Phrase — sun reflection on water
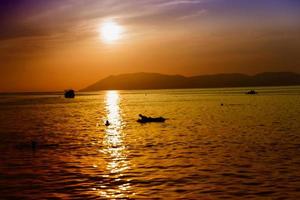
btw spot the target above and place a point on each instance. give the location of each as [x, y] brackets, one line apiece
[114, 147]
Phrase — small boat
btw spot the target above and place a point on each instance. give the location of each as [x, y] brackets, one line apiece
[143, 119]
[69, 94]
[251, 92]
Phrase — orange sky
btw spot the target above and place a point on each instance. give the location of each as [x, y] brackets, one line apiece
[57, 45]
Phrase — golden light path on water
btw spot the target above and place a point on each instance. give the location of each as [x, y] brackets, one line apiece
[114, 146]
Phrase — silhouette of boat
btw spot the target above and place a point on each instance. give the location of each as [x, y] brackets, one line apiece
[70, 94]
[144, 119]
[251, 92]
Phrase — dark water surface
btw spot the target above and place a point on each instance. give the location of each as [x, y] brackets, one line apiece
[246, 149]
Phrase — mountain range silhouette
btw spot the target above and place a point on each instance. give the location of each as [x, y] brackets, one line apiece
[137, 81]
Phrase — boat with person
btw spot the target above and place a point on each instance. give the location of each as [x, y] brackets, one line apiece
[145, 119]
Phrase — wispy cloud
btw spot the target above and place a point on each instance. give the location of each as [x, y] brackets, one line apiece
[194, 15]
[178, 2]
[35, 18]
[42, 18]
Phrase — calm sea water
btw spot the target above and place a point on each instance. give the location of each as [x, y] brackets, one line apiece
[246, 149]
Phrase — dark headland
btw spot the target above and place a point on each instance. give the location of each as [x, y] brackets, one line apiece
[137, 81]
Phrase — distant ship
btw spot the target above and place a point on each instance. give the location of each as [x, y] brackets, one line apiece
[251, 92]
[69, 94]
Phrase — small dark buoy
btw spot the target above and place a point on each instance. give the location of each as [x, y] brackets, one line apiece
[222, 104]
[107, 123]
[33, 145]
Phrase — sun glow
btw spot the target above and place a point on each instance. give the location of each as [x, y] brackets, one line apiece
[114, 147]
[110, 31]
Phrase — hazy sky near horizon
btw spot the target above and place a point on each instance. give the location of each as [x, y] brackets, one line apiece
[53, 45]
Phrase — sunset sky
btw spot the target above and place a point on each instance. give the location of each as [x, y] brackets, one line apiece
[59, 44]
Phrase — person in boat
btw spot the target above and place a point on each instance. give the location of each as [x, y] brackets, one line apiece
[143, 117]
[107, 123]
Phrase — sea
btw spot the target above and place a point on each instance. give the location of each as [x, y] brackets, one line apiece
[215, 144]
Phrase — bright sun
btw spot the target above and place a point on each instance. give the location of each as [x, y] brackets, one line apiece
[110, 31]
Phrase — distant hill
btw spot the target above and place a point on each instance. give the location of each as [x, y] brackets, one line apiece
[160, 81]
